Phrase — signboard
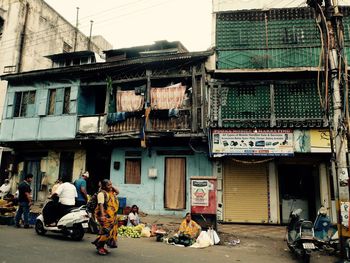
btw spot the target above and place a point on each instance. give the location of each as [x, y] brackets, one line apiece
[252, 142]
[200, 192]
[320, 141]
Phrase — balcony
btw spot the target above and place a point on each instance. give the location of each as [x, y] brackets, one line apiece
[91, 124]
[180, 121]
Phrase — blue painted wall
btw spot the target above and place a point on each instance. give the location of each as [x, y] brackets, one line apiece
[149, 194]
[40, 126]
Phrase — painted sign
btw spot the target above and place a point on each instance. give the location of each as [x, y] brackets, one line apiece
[320, 141]
[252, 142]
[200, 192]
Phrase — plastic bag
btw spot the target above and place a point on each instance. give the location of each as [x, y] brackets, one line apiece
[203, 241]
[146, 232]
[216, 238]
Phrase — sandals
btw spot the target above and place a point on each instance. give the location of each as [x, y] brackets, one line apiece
[101, 251]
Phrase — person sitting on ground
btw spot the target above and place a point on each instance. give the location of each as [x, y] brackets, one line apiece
[189, 227]
[133, 217]
[5, 188]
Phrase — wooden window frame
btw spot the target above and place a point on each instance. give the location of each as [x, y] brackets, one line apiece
[127, 178]
[20, 105]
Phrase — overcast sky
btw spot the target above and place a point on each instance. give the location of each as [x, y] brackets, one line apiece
[126, 23]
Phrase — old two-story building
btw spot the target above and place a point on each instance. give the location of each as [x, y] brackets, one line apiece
[29, 31]
[269, 134]
[139, 119]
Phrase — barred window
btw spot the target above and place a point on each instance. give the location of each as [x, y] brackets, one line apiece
[24, 104]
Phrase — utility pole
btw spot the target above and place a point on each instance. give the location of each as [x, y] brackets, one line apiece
[89, 43]
[330, 21]
[76, 30]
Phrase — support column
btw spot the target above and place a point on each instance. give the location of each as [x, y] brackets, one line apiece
[274, 194]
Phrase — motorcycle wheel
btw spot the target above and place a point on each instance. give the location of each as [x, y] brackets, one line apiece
[39, 228]
[78, 233]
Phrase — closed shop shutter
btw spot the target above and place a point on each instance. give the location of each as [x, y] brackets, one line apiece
[245, 193]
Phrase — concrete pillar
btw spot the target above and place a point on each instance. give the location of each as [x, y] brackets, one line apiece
[325, 189]
[274, 194]
[217, 171]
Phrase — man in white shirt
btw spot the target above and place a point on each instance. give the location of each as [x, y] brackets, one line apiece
[67, 194]
[5, 188]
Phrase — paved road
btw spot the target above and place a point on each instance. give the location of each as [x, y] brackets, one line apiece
[24, 245]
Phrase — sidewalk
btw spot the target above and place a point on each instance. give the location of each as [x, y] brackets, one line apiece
[172, 223]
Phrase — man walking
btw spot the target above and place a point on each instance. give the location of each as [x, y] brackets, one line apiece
[24, 201]
[80, 185]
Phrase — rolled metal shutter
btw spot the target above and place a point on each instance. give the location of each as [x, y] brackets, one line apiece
[245, 193]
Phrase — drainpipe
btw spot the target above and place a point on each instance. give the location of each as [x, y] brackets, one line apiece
[21, 43]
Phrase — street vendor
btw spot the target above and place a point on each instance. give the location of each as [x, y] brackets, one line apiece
[189, 227]
[5, 188]
[133, 217]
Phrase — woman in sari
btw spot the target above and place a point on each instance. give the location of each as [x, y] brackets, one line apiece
[106, 215]
[189, 227]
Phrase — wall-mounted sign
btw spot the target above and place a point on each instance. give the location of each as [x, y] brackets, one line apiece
[200, 192]
[320, 141]
[252, 142]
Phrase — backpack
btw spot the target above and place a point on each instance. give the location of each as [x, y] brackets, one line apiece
[92, 204]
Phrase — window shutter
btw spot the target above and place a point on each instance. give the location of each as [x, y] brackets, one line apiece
[10, 102]
[73, 99]
[42, 102]
[59, 101]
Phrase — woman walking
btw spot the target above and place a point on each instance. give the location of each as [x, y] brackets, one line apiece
[106, 215]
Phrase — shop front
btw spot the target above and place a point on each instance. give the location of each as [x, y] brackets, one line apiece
[264, 174]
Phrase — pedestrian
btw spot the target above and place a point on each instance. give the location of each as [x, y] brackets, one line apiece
[24, 201]
[80, 185]
[106, 215]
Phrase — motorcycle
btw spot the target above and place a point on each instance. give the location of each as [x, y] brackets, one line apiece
[300, 236]
[326, 234]
[73, 224]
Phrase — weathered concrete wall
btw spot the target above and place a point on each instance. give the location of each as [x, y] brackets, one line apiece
[149, 195]
[46, 33]
[79, 164]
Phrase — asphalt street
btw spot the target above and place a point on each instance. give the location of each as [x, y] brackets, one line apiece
[24, 245]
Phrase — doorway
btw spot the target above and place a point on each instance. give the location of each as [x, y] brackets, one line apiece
[299, 188]
[98, 163]
[175, 183]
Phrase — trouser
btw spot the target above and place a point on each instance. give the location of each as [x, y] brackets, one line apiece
[63, 210]
[50, 212]
[23, 208]
[79, 203]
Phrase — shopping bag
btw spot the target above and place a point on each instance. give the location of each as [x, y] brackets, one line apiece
[216, 237]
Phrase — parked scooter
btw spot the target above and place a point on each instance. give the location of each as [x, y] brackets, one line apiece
[326, 234]
[300, 236]
[73, 224]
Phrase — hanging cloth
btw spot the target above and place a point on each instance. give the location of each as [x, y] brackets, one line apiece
[168, 97]
[127, 101]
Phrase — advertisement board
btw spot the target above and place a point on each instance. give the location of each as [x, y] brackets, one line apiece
[252, 142]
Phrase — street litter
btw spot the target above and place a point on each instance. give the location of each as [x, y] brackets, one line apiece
[234, 242]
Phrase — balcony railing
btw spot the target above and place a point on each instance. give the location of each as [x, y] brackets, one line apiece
[131, 124]
[181, 122]
[91, 124]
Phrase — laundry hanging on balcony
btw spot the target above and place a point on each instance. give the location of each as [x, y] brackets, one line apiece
[127, 101]
[170, 97]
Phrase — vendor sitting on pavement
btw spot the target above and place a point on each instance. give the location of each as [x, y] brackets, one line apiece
[133, 217]
[5, 188]
[189, 227]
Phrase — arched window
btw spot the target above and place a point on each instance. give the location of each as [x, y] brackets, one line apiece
[2, 22]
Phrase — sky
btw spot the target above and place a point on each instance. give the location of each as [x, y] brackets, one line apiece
[127, 23]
